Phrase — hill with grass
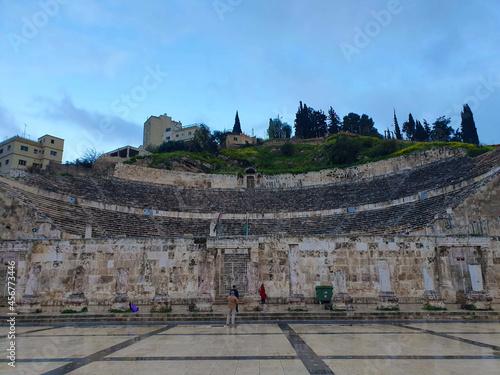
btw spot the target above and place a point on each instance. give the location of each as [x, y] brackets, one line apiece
[295, 156]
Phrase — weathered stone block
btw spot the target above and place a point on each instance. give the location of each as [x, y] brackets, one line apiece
[387, 300]
[204, 303]
[29, 304]
[342, 302]
[433, 299]
[297, 302]
[161, 303]
[478, 301]
[75, 302]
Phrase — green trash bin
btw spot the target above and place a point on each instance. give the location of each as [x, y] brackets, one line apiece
[324, 293]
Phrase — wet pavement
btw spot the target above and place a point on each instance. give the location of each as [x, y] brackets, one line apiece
[257, 348]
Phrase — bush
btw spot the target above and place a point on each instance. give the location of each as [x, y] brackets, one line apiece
[384, 148]
[345, 150]
[287, 150]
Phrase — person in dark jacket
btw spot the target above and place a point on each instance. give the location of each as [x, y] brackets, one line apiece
[236, 294]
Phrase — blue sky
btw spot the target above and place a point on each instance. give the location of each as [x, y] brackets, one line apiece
[92, 72]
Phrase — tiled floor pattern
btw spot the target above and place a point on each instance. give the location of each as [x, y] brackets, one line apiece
[258, 348]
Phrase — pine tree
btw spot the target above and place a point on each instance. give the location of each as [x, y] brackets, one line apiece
[237, 125]
[351, 123]
[420, 134]
[299, 122]
[442, 130]
[427, 129]
[409, 128]
[397, 131]
[469, 131]
[319, 127]
[333, 121]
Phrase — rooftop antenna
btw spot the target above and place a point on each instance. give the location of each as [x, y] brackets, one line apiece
[24, 134]
[252, 133]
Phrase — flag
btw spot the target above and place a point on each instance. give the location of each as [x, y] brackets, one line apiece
[217, 223]
[246, 225]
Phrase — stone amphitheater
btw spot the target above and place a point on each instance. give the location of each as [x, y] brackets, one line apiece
[420, 228]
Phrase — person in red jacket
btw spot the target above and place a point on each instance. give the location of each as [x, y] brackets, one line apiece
[263, 295]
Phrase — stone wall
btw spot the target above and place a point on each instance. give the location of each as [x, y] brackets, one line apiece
[327, 176]
[136, 267]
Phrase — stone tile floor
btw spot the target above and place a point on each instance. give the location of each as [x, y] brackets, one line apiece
[257, 348]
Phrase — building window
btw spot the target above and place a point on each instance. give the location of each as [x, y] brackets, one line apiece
[35, 165]
[189, 133]
[0, 163]
[1, 150]
[7, 162]
[22, 162]
[168, 129]
[235, 138]
[177, 136]
[167, 138]
[8, 148]
[53, 153]
[35, 151]
[51, 141]
[24, 148]
[44, 140]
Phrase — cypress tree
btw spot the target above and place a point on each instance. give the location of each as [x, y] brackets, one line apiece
[397, 131]
[469, 131]
[237, 125]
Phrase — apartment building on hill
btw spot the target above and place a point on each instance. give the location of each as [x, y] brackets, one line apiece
[158, 129]
[22, 153]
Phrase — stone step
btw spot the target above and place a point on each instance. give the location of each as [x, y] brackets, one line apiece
[46, 318]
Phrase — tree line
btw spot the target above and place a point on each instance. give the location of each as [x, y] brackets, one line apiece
[311, 123]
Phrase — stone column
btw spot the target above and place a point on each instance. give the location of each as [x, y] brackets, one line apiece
[204, 300]
[76, 300]
[478, 299]
[120, 301]
[161, 300]
[341, 299]
[88, 231]
[31, 301]
[386, 298]
[296, 300]
[252, 298]
[431, 298]
[444, 272]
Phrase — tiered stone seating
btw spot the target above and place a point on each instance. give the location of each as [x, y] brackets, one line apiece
[73, 218]
[338, 195]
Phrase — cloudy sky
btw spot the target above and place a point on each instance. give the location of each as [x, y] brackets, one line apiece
[92, 72]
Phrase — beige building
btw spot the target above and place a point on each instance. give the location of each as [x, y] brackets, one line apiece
[158, 129]
[22, 153]
[237, 140]
[182, 134]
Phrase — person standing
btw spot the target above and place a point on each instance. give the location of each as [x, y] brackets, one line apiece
[232, 304]
[236, 294]
[263, 295]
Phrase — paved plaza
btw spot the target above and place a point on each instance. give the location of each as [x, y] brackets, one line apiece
[258, 348]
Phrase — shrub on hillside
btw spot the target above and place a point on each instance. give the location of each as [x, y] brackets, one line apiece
[344, 150]
[287, 149]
